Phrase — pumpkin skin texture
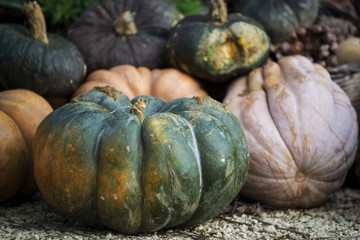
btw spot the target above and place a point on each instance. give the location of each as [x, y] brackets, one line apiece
[180, 166]
[13, 158]
[167, 84]
[301, 131]
[279, 18]
[55, 69]
[21, 112]
[31, 59]
[217, 51]
[139, 39]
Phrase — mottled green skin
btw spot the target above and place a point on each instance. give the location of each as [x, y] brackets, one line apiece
[51, 70]
[96, 162]
[217, 52]
[279, 17]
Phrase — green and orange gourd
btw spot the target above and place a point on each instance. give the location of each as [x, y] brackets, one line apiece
[140, 165]
[218, 46]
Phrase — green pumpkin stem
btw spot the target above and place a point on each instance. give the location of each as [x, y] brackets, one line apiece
[139, 108]
[125, 25]
[218, 11]
[36, 20]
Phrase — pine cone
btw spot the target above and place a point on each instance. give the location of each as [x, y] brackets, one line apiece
[319, 42]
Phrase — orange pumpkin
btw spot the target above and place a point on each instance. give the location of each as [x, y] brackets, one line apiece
[21, 112]
[167, 84]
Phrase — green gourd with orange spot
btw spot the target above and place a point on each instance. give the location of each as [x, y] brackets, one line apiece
[217, 47]
[140, 165]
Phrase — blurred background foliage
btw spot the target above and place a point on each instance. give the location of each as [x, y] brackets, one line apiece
[189, 7]
[60, 15]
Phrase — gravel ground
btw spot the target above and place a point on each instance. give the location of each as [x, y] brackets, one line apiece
[338, 218]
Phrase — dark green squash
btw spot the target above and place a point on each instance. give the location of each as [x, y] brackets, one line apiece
[217, 47]
[140, 165]
[118, 32]
[47, 64]
[279, 17]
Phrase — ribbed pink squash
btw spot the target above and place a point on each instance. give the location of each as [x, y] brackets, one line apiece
[301, 131]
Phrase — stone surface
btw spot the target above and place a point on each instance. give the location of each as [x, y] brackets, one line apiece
[338, 218]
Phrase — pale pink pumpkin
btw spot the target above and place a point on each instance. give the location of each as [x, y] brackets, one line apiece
[301, 131]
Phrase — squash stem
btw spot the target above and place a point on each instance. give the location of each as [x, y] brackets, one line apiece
[36, 20]
[255, 81]
[218, 11]
[139, 109]
[272, 74]
[125, 24]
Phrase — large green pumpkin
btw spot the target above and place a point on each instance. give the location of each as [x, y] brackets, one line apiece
[217, 47]
[47, 64]
[104, 161]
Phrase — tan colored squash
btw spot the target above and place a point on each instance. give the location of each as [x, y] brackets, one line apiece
[301, 131]
[21, 112]
[167, 84]
[349, 51]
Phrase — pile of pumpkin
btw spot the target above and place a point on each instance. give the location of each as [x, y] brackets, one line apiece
[136, 144]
